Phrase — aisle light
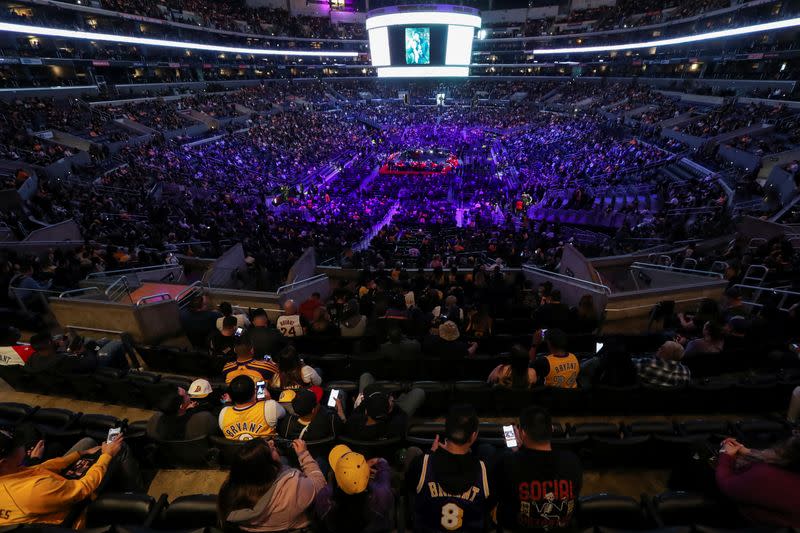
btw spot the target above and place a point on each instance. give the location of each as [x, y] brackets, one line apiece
[767, 26]
[92, 36]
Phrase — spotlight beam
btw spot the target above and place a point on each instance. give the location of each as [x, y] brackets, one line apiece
[106, 37]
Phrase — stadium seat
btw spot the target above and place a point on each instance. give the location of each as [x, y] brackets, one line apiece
[761, 433]
[189, 513]
[118, 509]
[614, 400]
[423, 435]
[97, 426]
[385, 448]
[686, 508]
[13, 413]
[479, 394]
[608, 510]
[437, 397]
[225, 449]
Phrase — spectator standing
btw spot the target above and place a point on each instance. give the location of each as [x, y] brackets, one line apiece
[552, 313]
[536, 487]
[222, 343]
[199, 322]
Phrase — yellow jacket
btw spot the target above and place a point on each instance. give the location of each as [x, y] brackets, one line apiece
[39, 494]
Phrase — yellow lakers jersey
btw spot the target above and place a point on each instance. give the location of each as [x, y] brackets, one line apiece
[254, 421]
[254, 369]
[563, 371]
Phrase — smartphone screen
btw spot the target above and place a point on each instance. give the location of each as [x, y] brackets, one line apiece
[113, 434]
[261, 390]
[239, 332]
[544, 332]
[332, 398]
[597, 347]
[511, 438]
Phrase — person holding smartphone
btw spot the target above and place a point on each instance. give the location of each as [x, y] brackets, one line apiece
[311, 421]
[449, 487]
[41, 494]
[249, 418]
[535, 486]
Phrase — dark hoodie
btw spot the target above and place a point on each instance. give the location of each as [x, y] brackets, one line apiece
[441, 485]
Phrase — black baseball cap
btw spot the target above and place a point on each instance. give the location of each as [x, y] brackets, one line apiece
[304, 402]
[461, 423]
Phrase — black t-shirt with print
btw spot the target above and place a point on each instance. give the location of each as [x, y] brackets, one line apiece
[537, 490]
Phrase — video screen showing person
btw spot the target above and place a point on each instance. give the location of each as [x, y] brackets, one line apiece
[418, 46]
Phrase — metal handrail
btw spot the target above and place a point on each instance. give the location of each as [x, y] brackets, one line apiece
[670, 268]
[114, 291]
[185, 295]
[305, 281]
[109, 273]
[758, 290]
[538, 270]
[76, 292]
[146, 299]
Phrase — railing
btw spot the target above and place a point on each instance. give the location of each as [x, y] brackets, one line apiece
[680, 270]
[301, 283]
[782, 303]
[186, 295]
[597, 286]
[160, 297]
[74, 293]
[123, 272]
[42, 294]
[116, 290]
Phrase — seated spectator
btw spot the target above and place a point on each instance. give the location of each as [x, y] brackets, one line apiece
[445, 343]
[450, 310]
[322, 325]
[201, 397]
[27, 287]
[516, 375]
[764, 483]
[199, 322]
[712, 341]
[614, 369]
[41, 494]
[248, 418]
[536, 487]
[290, 324]
[665, 369]
[359, 498]
[222, 343]
[177, 419]
[449, 487]
[480, 323]
[734, 305]
[262, 494]
[399, 347]
[227, 310]
[308, 420]
[352, 323]
[707, 311]
[583, 318]
[378, 415]
[308, 307]
[293, 373]
[552, 313]
[47, 357]
[246, 365]
[559, 368]
[264, 339]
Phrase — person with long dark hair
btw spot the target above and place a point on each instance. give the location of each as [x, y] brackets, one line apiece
[359, 497]
[293, 373]
[764, 483]
[262, 494]
[517, 374]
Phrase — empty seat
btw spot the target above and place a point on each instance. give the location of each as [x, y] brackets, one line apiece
[116, 509]
[385, 448]
[437, 397]
[53, 419]
[423, 435]
[479, 394]
[705, 427]
[608, 510]
[686, 508]
[12, 414]
[648, 427]
[97, 426]
[189, 512]
[596, 429]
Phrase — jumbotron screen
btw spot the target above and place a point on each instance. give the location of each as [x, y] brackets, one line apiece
[422, 41]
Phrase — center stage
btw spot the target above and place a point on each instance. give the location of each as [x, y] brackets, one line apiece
[419, 161]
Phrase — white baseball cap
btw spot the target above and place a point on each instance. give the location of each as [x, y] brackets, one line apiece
[200, 388]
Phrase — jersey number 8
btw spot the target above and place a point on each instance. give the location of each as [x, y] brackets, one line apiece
[452, 517]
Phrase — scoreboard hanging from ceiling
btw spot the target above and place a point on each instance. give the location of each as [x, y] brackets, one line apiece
[422, 41]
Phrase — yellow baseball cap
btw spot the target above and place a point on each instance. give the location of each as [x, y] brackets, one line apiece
[350, 469]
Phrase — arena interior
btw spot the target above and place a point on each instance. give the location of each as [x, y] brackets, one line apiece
[365, 265]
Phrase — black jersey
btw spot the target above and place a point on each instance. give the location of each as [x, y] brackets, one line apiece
[437, 510]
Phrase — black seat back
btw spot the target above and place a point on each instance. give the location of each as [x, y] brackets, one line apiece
[189, 512]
